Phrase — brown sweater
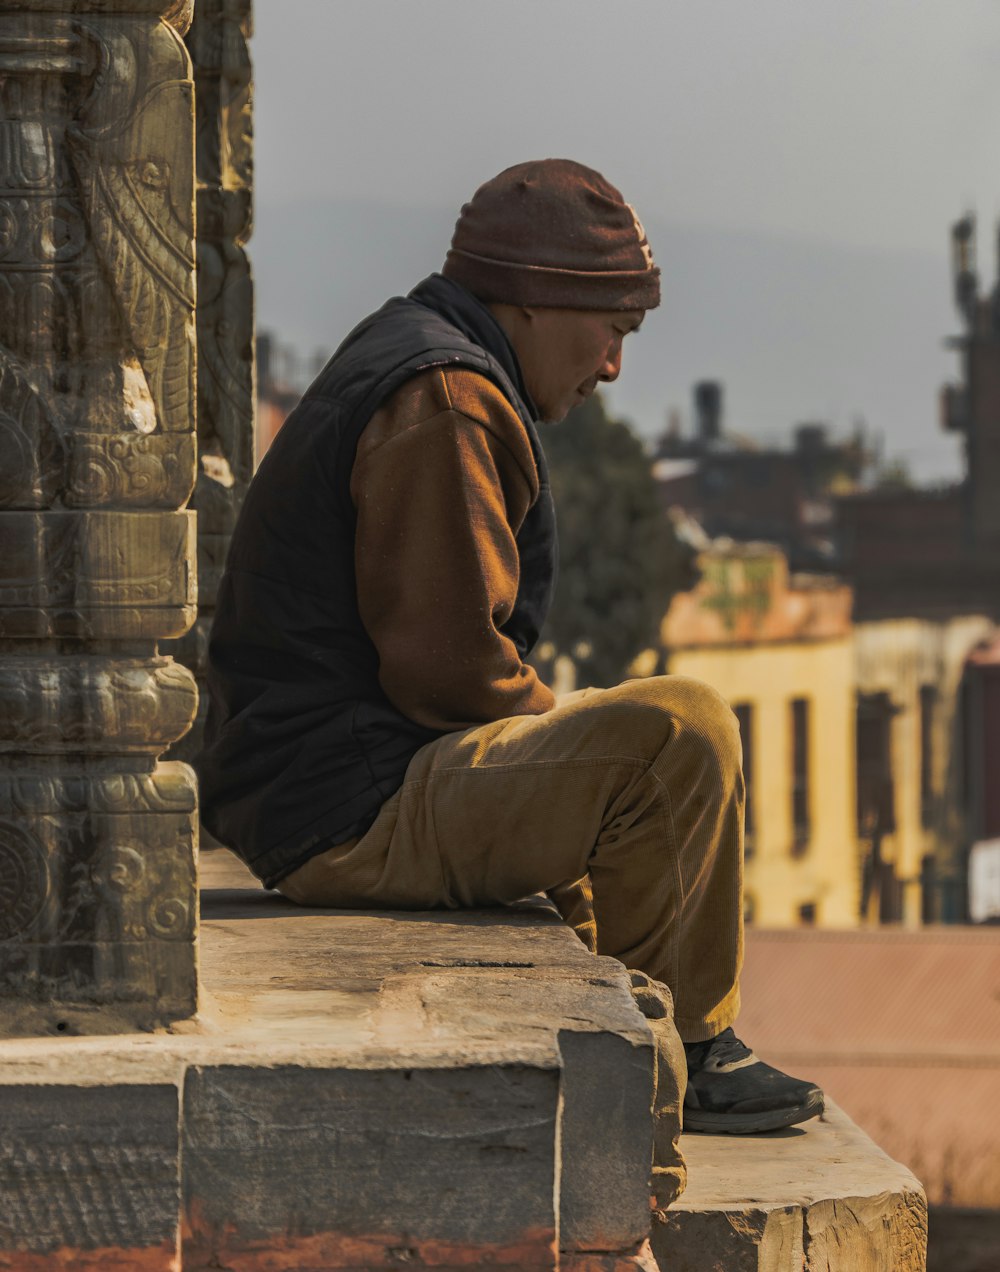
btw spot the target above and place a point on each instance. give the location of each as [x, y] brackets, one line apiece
[442, 480]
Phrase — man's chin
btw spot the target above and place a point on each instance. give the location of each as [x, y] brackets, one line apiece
[556, 414]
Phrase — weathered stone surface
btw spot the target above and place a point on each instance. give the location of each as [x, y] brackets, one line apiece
[97, 920]
[89, 1178]
[385, 1090]
[819, 1197]
[606, 1143]
[176, 12]
[887, 1230]
[52, 705]
[638, 1259]
[219, 45]
[97, 454]
[96, 575]
[656, 1003]
[469, 1013]
[314, 1163]
[478, 988]
[747, 1240]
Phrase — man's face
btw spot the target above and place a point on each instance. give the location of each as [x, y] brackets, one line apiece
[565, 353]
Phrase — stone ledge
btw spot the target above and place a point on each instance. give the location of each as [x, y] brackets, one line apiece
[359, 1090]
[818, 1198]
[366, 1091]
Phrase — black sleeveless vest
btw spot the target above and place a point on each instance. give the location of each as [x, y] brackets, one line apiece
[302, 747]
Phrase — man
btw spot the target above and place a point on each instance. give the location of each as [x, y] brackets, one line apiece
[375, 737]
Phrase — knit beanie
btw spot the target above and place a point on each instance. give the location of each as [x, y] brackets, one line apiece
[553, 233]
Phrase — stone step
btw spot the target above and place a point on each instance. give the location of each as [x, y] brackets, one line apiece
[821, 1197]
[358, 1091]
[377, 1091]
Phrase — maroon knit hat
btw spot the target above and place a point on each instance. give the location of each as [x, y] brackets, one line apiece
[553, 233]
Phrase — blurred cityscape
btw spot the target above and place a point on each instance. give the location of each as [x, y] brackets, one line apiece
[851, 619]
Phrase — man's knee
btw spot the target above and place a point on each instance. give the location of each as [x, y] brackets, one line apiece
[694, 708]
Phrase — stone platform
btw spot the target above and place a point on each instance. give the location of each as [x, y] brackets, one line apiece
[376, 1091]
[817, 1197]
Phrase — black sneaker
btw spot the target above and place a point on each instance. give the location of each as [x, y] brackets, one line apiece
[731, 1092]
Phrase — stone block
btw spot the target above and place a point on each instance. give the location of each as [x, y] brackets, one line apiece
[887, 1230]
[818, 1198]
[337, 1168]
[606, 1141]
[58, 705]
[89, 1178]
[750, 1239]
[98, 873]
[92, 575]
[477, 987]
[656, 1003]
[369, 1091]
[637, 1259]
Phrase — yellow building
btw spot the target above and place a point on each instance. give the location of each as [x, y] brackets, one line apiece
[780, 649]
[911, 764]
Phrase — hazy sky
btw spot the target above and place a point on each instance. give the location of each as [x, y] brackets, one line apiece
[858, 124]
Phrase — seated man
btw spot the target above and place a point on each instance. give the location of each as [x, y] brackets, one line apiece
[375, 737]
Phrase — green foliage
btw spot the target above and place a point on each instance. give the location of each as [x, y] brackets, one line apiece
[620, 559]
[895, 475]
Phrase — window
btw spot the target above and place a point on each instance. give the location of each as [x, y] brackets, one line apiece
[800, 775]
[876, 803]
[807, 914]
[928, 703]
[744, 714]
[876, 796]
[928, 889]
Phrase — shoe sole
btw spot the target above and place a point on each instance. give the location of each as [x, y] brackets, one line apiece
[705, 1122]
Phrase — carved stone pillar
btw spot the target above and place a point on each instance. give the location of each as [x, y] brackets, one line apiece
[97, 460]
[219, 51]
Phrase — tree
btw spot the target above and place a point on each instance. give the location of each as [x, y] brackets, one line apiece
[894, 475]
[620, 560]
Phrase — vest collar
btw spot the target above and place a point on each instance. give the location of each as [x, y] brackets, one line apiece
[472, 318]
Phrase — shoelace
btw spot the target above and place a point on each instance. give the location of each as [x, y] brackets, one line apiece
[725, 1048]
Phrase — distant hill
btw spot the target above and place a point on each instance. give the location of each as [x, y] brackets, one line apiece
[797, 330]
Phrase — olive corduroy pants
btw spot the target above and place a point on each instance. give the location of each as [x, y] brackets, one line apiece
[625, 805]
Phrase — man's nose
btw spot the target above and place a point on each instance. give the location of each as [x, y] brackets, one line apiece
[612, 365]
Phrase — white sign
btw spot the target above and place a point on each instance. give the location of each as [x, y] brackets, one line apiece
[984, 880]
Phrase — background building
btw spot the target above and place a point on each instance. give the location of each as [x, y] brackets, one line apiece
[918, 685]
[779, 648]
[925, 565]
[747, 492]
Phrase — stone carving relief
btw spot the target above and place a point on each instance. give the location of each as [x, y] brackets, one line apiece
[56, 704]
[225, 345]
[136, 185]
[90, 575]
[129, 471]
[169, 788]
[31, 450]
[24, 880]
[218, 41]
[97, 280]
[97, 460]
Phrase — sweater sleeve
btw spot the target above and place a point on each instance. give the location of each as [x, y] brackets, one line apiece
[442, 480]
